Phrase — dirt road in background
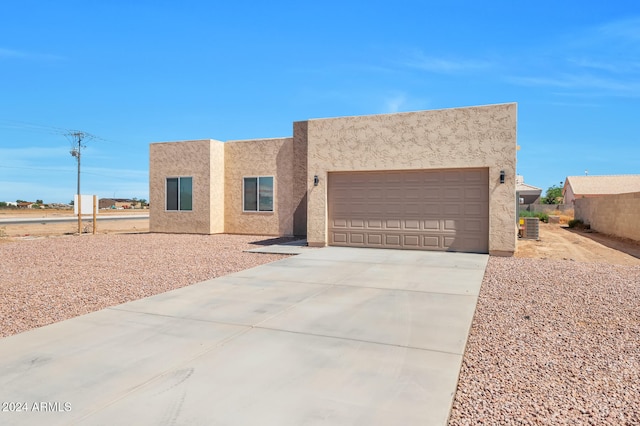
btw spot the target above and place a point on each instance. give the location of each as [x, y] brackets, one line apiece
[556, 241]
[561, 243]
[38, 229]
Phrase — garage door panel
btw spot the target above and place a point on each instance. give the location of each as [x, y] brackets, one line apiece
[452, 176]
[413, 193]
[392, 240]
[432, 209]
[448, 241]
[339, 223]
[339, 237]
[374, 239]
[373, 194]
[412, 224]
[393, 210]
[356, 238]
[452, 210]
[411, 241]
[475, 176]
[412, 209]
[431, 224]
[453, 194]
[430, 241]
[374, 224]
[475, 193]
[421, 210]
[357, 223]
[471, 225]
[450, 225]
[393, 178]
[429, 193]
[392, 224]
[475, 209]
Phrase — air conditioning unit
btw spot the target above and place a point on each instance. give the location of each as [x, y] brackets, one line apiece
[531, 228]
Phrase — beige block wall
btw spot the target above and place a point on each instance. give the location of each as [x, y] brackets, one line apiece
[612, 214]
[482, 136]
[203, 160]
[263, 157]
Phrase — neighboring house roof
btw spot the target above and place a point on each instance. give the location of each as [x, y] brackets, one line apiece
[522, 187]
[603, 185]
[526, 188]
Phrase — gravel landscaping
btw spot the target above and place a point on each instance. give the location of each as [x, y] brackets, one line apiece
[553, 342]
[48, 280]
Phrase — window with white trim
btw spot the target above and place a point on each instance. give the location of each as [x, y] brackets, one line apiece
[179, 194]
[258, 194]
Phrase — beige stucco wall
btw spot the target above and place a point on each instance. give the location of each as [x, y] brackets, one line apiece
[611, 214]
[203, 160]
[482, 136]
[300, 178]
[568, 197]
[263, 157]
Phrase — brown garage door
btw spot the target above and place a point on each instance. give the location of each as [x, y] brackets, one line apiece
[417, 209]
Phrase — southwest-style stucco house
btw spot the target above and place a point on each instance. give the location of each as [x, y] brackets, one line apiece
[427, 180]
[598, 186]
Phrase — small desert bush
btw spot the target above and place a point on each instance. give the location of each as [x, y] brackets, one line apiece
[577, 224]
[540, 215]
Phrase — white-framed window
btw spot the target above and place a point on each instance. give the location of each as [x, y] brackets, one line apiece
[257, 194]
[179, 193]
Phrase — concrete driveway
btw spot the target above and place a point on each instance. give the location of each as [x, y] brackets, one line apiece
[334, 336]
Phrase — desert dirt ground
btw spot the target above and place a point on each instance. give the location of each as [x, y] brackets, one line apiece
[30, 230]
[558, 242]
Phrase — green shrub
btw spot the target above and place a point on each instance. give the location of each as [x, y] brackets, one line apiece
[540, 215]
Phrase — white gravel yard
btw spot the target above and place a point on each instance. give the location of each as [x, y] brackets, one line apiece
[552, 343]
[51, 279]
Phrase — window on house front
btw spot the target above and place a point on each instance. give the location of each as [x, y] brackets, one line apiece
[179, 193]
[258, 194]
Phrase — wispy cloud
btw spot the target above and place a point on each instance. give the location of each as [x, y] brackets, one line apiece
[582, 82]
[443, 65]
[617, 67]
[23, 54]
[402, 102]
[601, 61]
[628, 29]
[395, 103]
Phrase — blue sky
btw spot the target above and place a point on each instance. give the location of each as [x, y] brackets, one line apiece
[136, 71]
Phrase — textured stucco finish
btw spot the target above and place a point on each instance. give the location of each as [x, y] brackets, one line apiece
[474, 137]
[611, 214]
[262, 157]
[203, 160]
[300, 178]
[453, 138]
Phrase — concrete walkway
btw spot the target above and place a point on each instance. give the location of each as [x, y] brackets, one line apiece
[334, 336]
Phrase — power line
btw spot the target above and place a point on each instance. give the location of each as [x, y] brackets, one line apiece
[24, 125]
[63, 171]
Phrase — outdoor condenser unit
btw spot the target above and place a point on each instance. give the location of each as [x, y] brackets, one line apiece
[531, 228]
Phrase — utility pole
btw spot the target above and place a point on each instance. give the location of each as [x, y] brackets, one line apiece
[77, 137]
[77, 153]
